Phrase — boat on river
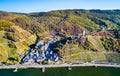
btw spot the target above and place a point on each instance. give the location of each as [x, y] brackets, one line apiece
[43, 69]
[15, 70]
[69, 68]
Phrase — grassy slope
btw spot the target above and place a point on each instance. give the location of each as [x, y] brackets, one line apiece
[95, 40]
[20, 46]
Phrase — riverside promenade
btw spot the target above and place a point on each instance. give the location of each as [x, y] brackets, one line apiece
[58, 65]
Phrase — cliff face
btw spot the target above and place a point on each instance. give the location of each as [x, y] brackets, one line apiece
[100, 27]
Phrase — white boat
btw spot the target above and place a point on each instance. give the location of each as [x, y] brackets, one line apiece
[43, 69]
[15, 70]
[69, 68]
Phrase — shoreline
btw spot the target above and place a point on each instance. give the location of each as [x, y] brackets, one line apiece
[23, 66]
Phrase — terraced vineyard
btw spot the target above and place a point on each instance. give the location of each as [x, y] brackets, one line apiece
[93, 56]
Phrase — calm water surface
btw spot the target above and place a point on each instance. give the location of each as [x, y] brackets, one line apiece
[76, 71]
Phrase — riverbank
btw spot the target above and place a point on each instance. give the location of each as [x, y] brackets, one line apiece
[58, 65]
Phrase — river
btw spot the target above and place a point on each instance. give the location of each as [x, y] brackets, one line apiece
[62, 71]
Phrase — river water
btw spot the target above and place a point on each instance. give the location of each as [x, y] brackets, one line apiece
[76, 71]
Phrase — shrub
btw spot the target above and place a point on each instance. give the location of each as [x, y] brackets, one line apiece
[5, 24]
